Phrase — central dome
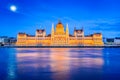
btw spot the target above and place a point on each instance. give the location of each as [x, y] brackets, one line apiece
[59, 28]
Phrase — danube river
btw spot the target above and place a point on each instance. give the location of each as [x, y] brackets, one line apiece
[60, 64]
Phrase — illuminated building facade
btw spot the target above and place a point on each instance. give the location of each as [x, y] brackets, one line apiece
[59, 37]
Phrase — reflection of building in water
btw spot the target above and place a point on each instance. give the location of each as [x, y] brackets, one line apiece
[58, 62]
[59, 37]
[65, 62]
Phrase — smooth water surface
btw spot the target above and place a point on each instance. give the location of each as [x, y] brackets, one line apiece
[60, 64]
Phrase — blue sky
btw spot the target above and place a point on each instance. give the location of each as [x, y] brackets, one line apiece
[94, 15]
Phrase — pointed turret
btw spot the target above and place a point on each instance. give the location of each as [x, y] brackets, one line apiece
[52, 31]
[67, 30]
[67, 34]
[52, 34]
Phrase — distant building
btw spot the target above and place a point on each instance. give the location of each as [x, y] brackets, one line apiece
[117, 40]
[113, 41]
[4, 40]
[59, 37]
[7, 40]
[1, 44]
[12, 41]
[104, 40]
[110, 41]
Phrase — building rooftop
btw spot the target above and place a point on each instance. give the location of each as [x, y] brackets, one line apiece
[97, 33]
[40, 30]
[21, 33]
[117, 38]
[89, 35]
[71, 35]
[49, 35]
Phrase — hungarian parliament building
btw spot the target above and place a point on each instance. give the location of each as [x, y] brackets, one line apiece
[59, 37]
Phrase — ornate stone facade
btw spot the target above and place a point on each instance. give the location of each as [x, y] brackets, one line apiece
[59, 37]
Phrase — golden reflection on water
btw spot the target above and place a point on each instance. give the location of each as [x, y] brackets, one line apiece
[60, 61]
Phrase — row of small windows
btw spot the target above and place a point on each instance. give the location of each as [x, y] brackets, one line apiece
[56, 39]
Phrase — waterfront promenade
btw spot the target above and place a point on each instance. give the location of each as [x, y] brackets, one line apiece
[105, 46]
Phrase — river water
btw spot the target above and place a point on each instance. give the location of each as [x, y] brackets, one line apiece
[59, 64]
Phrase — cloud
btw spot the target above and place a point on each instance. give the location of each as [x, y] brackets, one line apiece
[107, 25]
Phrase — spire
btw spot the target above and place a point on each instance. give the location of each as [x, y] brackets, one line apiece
[52, 31]
[67, 30]
[52, 27]
[52, 34]
[67, 34]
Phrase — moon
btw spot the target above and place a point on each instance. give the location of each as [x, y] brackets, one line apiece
[13, 8]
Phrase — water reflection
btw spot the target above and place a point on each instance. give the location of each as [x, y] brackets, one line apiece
[58, 64]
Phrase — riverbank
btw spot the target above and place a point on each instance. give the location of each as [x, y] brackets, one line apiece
[59, 46]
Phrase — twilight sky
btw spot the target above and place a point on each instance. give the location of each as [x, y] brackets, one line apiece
[94, 15]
